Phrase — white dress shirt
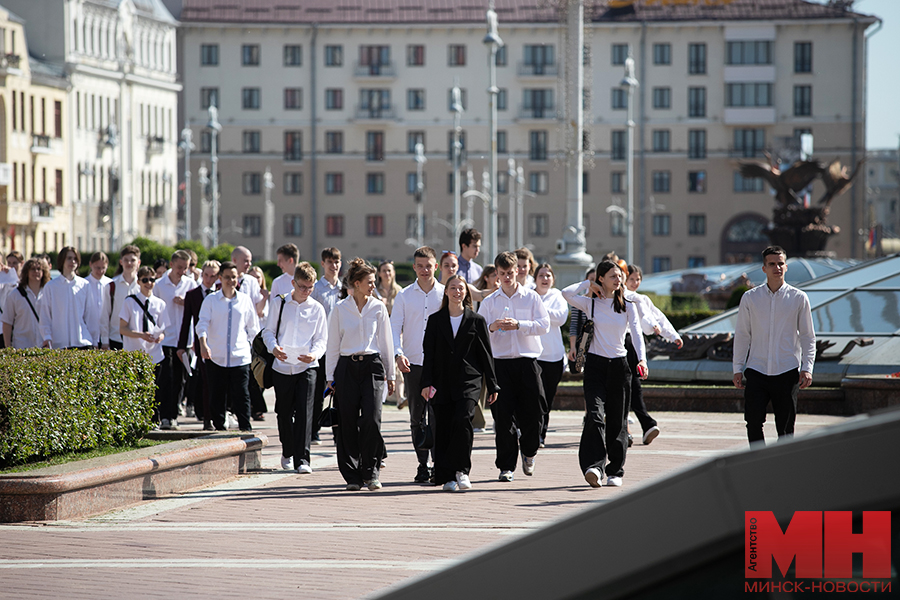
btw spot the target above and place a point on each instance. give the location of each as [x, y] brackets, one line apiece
[353, 332]
[122, 291]
[609, 326]
[229, 326]
[526, 307]
[304, 328]
[26, 331]
[282, 285]
[651, 317]
[326, 294]
[469, 270]
[167, 291]
[412, 307]
[133, 314]
[250, 286]
[8, 282]
[99, 321]
[774, 332]
[65, 311]
[552, 343]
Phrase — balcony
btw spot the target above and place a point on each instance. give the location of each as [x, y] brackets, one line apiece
[10, 62]
[40, 144]
[376, 71]
[747, 152]
[763, 115]
[538, 69]
[156, 212]
[155, 144]
[382, 113]
[15, 212]
[42, 212]
[538, 112]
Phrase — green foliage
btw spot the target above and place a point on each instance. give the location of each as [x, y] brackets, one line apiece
[405, 273]
[270, 270]
[221, 253]
[735, 298]
[197, 247]
[683, 318]
[58, 401]
[152, 250]
[686, 301]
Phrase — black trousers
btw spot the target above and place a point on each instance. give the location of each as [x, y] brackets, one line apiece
[318, 398]
[294, 407]
[519, 403]
[604, 438]
[231, 383]
[453, 435]
[257, 402]
[782, 391]
[198, 392]
[114, 345]
[551, 373]
[171, 382]
[157, 376]
[358, 390]
[417, 407]
[635, 393]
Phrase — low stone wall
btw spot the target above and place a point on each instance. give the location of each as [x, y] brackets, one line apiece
[97, 485]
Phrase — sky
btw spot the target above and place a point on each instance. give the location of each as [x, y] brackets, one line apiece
[883, 84]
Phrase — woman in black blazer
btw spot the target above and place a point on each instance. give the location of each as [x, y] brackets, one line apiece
[457, 359]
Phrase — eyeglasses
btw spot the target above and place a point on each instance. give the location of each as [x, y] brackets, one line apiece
[305, 288]
[148, 280]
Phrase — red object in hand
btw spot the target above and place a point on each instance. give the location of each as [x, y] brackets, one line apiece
[642, 371]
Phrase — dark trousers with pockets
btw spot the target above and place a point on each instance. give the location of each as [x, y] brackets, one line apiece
[417, 406]
[231, 383]
[171, 382]
[782, 391]
[604, 438]
[636, 393]
[453, 436]
[318, 398]
[551, 373]
[358, 390]
[519, 403]
[294, 408]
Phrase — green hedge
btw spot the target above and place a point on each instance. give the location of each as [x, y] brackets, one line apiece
[57, 401]
[683, 318]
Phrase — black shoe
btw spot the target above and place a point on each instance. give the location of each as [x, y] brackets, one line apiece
[259, 417]
[423, 474]
[630, 441]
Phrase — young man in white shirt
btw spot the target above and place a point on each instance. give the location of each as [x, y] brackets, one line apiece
[774, 348]
[516, 318]
[327, 293]
[65, 308]
[171, 288]
[288, 256]
[469, 249]
[248, 284]
[101, 303]
[123, 285]
[412, 307]
[226, 328]
[296, 334]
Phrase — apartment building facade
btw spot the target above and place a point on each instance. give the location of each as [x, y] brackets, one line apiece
[332, 100]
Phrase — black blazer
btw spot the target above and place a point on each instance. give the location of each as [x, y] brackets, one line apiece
[455, 366]
[192, 302]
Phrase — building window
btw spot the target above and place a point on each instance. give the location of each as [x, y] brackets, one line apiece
[500, 57]
[250, 143]
[334, 142]
[661, 140]
[662, 263]
[252, 184]
[456, 55]
[696, 224]
[413, 138]
[208, 97]
[697, 182]
[619, 99]
[617, 182]
[502, 99]
[374, 145]
[412, 182]
[619, 144]
[662, 98]
[250, 98]
[617, 224]
[334, 225]
[538, 104]
[619, 53]
[293, 225]
[209, 55]
[539, 225]
[749, 142]
[334, 56]
[463, 98]
[502, 225]
[662, 181]
[749, 53]
[293, 55]
[376, 58]
[502, 182]
[334, 99]
[334, 183]
[415, 55]
[697, 102]
[501, 142]
[537, 145]
[747, 184]
[414, 226]
[662, 54]
[538, 182]
[375, 225]
[748, 94]
[252, 225]
[415, 99]
[584, 182]
[539, 59]
[205, 142]
[250, 55]
[802, 57]
[374, 183]
[697, 143]
[375, 103]
[696, 262]
[293, 98]
[697, 59]
[802, 100]
[462, 141]
[293, 184]
[293, 145]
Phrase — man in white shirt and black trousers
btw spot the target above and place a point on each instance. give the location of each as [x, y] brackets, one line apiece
[516, 318]
[774, 348]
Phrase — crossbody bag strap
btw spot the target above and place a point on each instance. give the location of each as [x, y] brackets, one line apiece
[144, 307]
[280, 312]
[30, 305]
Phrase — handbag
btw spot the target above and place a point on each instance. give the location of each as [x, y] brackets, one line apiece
[262, 360]
[424, 439]
[329, 416]
[583, 342]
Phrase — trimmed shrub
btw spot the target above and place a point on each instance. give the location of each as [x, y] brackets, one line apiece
[735, 299]
[683, 318]
[58, 401]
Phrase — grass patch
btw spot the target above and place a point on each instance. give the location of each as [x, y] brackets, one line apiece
[69, 457]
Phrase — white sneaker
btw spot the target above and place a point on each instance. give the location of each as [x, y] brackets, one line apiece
[528, 465]
[506, 475]
[230, 421]
[304, 469]
[189, 411]
[614, 481]
[650, 435]
[287, 463]
[630, 421]
[169, 424]
[463, 481]
[594, 477]
[451, 486]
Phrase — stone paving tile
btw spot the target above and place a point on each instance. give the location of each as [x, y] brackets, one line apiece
[285, 535]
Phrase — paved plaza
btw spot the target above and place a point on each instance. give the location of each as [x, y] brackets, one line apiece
[277, 535]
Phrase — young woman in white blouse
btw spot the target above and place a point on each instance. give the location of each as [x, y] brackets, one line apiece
[359, 363]
[604, 439]
[21, 325]
[553, 358]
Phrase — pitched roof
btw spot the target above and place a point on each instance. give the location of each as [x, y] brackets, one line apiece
[733, 10]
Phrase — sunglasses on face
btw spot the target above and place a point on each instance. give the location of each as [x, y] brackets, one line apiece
[148, 280]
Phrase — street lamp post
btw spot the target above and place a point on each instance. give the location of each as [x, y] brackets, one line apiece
[203, 180]
[215, 127]
[270, 215]
[493, 41]
[521, 192]
[187, 145]
[420, 192]
[471, 193]
[510, 220]
[631, 82]
[112, 141]
[457, 109]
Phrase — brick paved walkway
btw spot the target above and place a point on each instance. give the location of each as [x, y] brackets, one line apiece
[279, 535]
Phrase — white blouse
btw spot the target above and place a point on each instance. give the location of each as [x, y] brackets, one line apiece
[65, 312]
[609, 326]
[353, 332]
[26, 329]
[552, 341]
